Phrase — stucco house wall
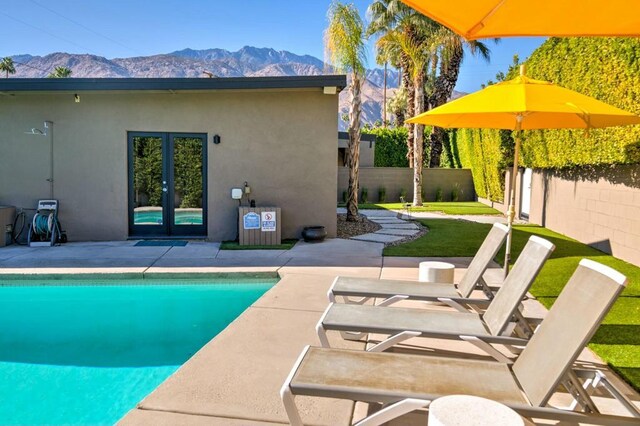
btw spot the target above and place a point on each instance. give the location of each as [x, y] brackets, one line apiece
[367, 149]
[281, 141]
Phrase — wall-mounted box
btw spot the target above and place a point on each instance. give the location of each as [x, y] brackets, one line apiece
[7, 216]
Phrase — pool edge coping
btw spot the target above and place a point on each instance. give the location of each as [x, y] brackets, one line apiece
[115, 275]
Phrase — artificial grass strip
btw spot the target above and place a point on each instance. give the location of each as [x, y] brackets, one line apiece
[234, 245]
[617, 341]
[446, 207]
[456, 238]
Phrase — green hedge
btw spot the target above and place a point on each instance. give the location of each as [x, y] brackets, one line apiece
[486, 153]
[607, 69]
[391, 146]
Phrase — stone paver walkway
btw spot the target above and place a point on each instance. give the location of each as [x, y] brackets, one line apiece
[394, 228]
[397, 225]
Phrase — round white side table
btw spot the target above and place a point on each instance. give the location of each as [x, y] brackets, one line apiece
[436, 272]
[465, 410]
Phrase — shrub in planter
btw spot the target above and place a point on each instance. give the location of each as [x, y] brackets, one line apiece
[382, 194]
[364, 196]
[439, 194]
[456, 192]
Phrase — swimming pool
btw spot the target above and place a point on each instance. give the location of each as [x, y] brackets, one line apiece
[86, 352]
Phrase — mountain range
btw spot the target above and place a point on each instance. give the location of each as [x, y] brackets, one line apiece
[246, 62]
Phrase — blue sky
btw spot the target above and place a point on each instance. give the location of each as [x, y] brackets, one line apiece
[122, 28]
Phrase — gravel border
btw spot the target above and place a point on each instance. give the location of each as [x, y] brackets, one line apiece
[422, 230]
[346, 230]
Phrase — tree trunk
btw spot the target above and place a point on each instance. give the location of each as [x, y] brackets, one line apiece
[444, 85]
[408, 86]
[418, 141]
[384, 98]
[354, 147]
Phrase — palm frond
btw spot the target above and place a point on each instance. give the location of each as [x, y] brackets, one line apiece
[344, 38]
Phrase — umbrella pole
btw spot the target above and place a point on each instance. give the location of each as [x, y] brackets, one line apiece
[511, 213]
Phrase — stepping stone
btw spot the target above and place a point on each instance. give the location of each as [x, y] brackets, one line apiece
[405, 232]
[405, 225]
[378, 238]
[378, 213]
[386, 220]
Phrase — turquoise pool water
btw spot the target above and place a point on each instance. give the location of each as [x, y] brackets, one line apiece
[86, 354]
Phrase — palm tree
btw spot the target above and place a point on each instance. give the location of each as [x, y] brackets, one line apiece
[7, 66]
[397, 106]
[386, 16]
[418, 48]
[60, 72]
[345, 48]
[451, 53]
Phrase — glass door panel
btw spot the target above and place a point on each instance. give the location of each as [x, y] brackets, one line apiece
[148, 183]
[188, 184]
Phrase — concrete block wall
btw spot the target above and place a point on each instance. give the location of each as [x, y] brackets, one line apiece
[393, 179]
[596, 206]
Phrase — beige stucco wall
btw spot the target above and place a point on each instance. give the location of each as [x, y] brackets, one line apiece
[282, 142]
[597, 206]
[367, 152]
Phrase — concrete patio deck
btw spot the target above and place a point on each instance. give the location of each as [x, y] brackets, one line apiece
[235, 378]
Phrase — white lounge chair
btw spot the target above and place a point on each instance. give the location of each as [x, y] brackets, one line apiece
[396, 290]
[404, 382]
[494, 326]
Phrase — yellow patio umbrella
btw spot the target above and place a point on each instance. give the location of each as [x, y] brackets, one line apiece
[474, 19]
[525, 104]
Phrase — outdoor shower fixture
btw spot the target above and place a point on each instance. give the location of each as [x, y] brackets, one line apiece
[48, 131]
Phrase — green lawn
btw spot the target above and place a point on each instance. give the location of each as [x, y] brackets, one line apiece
[460, 207]
[617, 340]
[234, 245]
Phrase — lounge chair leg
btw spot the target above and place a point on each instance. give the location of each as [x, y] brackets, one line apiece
[485, 288]
[290, 406]
[580, 395]
[393, 340]
[601, 378]
[322, 335]
[394, 411]
[288, 399]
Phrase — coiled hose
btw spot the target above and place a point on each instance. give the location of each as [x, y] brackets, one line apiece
[43, 225]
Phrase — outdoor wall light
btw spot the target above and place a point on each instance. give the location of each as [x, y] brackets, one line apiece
[76, 98]
[216, 139]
